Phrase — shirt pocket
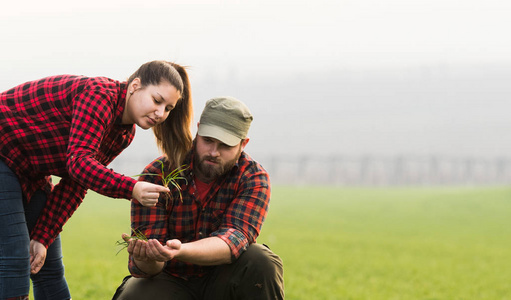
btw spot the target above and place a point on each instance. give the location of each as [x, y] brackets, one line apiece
[214, 218]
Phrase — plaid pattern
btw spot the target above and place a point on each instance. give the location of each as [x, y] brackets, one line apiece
[68, 126]
[233, 210]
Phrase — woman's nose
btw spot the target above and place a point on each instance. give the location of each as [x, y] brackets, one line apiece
[160, 112]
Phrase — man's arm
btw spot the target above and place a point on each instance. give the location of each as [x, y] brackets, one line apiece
[210, 251]
[150, 256]
[243, 219]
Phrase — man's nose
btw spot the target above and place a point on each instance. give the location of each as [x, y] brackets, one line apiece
[214, 151]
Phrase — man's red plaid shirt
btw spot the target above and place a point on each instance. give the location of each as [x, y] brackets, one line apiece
[234, 210]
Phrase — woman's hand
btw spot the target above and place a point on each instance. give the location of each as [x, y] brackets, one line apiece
[148, 193]
[37, 256]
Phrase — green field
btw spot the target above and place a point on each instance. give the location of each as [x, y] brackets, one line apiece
[340, 243]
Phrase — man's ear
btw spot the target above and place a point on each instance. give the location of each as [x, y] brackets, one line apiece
[244, 143]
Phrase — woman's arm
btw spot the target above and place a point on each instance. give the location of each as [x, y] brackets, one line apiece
[95, 139]
[60, 205]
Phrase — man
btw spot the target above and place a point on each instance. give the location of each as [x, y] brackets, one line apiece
[202, 237]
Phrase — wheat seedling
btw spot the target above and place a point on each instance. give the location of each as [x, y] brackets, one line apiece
[137, 235]
[169, 179]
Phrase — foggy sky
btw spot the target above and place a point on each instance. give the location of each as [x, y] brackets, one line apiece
[321, 77]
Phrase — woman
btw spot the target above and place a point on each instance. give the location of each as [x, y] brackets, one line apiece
[72, 127]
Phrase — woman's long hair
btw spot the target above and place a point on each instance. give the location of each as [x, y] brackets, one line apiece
[173, 136]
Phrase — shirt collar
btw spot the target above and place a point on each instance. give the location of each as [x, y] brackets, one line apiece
[121, 100]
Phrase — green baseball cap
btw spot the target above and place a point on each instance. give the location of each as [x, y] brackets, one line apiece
[226, 119]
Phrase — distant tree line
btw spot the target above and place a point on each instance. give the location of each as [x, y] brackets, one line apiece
[387, 171]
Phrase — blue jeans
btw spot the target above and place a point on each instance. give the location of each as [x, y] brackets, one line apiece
[17, 218]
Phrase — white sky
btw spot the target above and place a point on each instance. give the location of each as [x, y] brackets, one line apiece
[279, 39]
[257, 36]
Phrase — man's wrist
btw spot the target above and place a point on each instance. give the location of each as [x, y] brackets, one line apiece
[149, 268]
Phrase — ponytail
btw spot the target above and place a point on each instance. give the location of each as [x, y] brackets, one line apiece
[173, 136]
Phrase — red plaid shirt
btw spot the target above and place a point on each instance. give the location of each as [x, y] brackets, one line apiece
[233, 210]
[68, 126]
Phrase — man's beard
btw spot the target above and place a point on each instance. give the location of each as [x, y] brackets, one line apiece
[211, 172]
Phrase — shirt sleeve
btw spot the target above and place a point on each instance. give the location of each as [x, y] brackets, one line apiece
[93, 114]
[113, 143]
[89, 152]
[152, 222]
[56, 212]
[245, 216]
[68, 194]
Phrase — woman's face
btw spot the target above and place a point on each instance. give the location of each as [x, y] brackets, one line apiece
[150, 105]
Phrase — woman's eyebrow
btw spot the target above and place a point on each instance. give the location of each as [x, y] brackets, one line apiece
[161, 97]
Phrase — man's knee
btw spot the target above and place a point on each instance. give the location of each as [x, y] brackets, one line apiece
[263, 260]
[162, 287]
[258, 271]
[128, 289]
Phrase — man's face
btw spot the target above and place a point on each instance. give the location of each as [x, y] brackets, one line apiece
[213, 158]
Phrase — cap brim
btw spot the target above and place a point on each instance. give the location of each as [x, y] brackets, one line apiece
[218, 133]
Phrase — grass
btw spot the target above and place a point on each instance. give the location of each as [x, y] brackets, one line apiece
[340, 243]
[392, 243]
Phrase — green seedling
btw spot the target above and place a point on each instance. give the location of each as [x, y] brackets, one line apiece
[137, 235]
[169, 179]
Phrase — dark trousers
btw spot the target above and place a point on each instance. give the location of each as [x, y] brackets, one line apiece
[17, 218]
[257, 274]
